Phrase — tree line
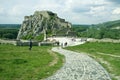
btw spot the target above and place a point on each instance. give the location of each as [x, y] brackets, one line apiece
[9, 31]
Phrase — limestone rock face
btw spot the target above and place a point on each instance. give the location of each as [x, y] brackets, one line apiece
[34, 25]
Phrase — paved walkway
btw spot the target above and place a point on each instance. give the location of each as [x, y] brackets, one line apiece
[79, 67]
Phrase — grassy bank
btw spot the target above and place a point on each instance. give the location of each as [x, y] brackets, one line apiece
[109, 58]
[18, 63]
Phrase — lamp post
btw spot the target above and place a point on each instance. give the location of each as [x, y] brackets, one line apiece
[44, 31]
[45, 36]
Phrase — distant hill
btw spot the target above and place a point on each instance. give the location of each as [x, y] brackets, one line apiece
[80, 25]
[10, 26]
[110, 24]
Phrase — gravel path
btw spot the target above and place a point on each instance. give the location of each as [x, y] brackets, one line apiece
[79, 67]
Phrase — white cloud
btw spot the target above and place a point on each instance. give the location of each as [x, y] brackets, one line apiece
[47, 6]
[20, 10]
[101, 2]
[74, 11]
[116, 11]
[1, 10]
[16, 10]
[97, 10]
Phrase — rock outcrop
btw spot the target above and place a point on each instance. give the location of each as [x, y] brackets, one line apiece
[34, 26]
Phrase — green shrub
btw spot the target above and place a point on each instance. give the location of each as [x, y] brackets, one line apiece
[40, 37]
[9, 36]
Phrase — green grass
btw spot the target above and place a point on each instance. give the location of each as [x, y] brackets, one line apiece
[110, 63]
[18, 63]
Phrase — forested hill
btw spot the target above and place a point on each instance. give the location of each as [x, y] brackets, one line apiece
[110, 24]
[109, 29]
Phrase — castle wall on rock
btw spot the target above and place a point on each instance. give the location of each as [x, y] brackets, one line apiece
[34, 25]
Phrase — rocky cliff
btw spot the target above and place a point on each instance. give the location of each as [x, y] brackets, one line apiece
[34, 26]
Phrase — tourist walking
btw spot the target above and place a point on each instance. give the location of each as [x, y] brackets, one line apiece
[30, 44]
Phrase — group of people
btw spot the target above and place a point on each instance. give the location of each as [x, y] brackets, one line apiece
[62, 44]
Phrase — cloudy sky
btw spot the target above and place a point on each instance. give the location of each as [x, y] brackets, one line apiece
[74, 11]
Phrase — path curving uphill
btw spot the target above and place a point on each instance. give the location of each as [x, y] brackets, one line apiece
[79, 66]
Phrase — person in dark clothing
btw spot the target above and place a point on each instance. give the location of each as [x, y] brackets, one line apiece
[65, 43]
[30, 44]
[58, 43]
[62, 45]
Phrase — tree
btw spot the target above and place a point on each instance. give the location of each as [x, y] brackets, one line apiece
[9, 36]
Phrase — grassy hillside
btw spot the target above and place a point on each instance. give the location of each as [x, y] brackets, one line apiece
[18, 63]
[107, 54]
